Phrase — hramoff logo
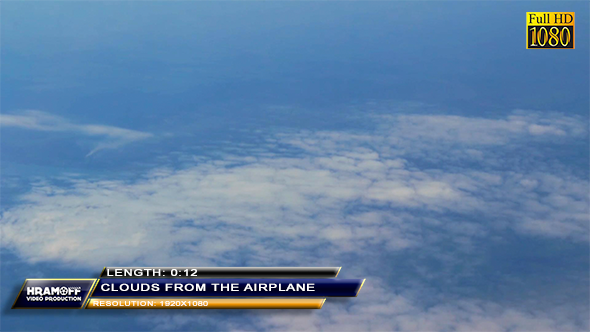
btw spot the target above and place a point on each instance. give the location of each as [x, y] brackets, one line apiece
[62, 293]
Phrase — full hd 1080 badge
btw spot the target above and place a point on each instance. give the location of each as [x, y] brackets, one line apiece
[550, 30]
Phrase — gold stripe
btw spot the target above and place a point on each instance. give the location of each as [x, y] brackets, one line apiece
[193, 303]
[340, 268]
[90, 292]
[357, 293]
[94, 288]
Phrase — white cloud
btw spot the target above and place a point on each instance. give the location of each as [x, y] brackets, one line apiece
[483, 131]
[550, 205]
[211, 210]
[113, 137]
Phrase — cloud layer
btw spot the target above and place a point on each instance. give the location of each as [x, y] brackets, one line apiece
[416, 182]
[317, 198]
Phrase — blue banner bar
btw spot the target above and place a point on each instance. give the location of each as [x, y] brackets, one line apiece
[228, 287]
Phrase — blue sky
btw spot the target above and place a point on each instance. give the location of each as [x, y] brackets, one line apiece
[415, 144]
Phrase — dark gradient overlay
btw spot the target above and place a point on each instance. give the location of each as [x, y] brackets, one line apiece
[220, 272]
